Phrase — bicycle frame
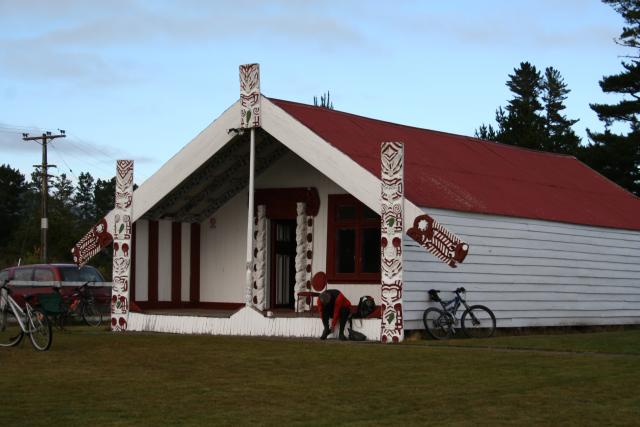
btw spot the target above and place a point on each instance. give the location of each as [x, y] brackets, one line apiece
[453, 305]
[21, 315]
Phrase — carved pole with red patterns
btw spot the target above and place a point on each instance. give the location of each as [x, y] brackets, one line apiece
[391, 230]
[122, 230]
[250, 116]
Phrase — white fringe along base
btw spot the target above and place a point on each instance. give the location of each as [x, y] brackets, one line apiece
[246, 322]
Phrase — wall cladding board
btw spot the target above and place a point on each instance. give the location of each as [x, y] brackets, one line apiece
[532, 273]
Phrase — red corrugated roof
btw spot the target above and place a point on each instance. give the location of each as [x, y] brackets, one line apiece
[467, 174]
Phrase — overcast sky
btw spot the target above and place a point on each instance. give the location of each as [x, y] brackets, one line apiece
[139, 79]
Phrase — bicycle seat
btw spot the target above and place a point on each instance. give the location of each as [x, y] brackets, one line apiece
[433, 294]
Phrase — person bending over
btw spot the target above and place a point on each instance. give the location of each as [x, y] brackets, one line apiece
[333, 305]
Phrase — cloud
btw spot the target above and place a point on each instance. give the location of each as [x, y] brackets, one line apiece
[84, 44]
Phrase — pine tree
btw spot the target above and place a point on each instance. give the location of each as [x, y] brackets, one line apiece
[325, 101]
[560, 137]
[84, 199]
[104, 196]
[63, 190]
[13, 209]
[486, 132]
[522, 124]
[526, 122]
[615, 154]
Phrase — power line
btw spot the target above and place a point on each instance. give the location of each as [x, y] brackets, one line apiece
[96, 147]
[65, 162]
[87, 158]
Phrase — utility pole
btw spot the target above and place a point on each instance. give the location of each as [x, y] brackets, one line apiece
[44, 221]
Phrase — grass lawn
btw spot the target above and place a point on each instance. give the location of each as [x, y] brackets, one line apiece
[99, 378]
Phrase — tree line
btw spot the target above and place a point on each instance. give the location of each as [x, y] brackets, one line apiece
[72, 211]
[534, 117]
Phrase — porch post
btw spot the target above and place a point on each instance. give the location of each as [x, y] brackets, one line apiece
[249, 259]
[259, 257]
[250, 116]
[120, 295]
[391, 231]
[301, 261]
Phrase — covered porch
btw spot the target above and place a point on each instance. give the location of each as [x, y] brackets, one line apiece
[188, 270]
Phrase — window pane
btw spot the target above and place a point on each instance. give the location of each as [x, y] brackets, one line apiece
[370, 250]
[43, 275]
[23, 274]
[345, 250]
[346, 212]
[84, 274]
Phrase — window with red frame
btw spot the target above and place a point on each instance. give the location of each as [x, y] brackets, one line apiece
[353, 241]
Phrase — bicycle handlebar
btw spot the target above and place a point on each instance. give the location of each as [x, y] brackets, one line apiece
[457, 291]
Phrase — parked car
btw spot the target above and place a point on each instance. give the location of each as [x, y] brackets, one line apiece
[55, 275]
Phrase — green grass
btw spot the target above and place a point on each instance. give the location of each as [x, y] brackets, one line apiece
[621, 342]
[100, 378]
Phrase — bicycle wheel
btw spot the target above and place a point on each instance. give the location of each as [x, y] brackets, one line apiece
[478, 322]
[438, 323]
[10, 332]
[91, 315]
[40, 332]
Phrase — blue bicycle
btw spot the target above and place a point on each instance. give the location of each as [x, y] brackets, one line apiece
[477, 320]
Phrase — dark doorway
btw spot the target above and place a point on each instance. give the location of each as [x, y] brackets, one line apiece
[283, 263]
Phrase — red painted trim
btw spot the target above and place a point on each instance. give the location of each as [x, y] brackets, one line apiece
[359, 223]
[281, 202]
[146, 305]
[176, 261]
[153, 261]
[132, 279]
[194, 285]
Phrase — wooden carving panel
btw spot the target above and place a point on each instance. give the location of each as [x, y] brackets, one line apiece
[122, 233]
[438, 240]
[391, 228]
[93, 242]
[250, 96]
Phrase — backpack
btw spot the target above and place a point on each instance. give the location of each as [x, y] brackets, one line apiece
[366, 306]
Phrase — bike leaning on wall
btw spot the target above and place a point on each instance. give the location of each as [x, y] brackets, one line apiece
[477, 321]
[16, 321]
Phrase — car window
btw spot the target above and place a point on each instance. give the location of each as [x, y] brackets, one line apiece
[85, 274]
[23, 274]
[43, 275]
[4, 275]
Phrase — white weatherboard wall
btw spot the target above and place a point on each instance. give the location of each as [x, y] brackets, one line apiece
[531, 272]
